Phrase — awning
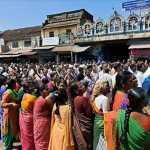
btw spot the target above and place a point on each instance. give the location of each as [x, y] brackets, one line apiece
[139, 46]
[44, 47]
[17, 53]
[79, 49]
[9, 56]
[67, 48]
[140, 53]
[70, 48]
[28, 53]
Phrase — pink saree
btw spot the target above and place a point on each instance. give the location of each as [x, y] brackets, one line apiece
[26, 122]
[41, 124]
[26, 128]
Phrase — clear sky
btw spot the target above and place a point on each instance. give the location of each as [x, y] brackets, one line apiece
[23, 13]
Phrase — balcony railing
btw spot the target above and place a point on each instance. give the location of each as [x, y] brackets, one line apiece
[66, 38]
[125, 28]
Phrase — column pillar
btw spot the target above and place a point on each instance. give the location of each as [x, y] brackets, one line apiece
[76, 58]
[57, 58]
[71, 57]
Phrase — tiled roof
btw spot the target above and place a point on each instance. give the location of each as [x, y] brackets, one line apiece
[22, 33]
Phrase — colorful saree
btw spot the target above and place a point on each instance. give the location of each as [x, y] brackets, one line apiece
[99, 108]
[120, 101]
[110, 130]
[83, 123]
[138, 138]
[10, 118]
[61, 130]
[82, 131]
[26, 122]
[98, 130]
[42, 120]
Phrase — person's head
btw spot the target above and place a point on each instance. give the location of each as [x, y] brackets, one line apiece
[125, 67]
[44, 91]
[117, 66]
[62, 91]
[45, 80]
[94, 69]
[29, 85]
[88, 70]
[140, 67]
[126, 81]
[102, 87]
[81, 70]
[137, 98]
[133, 67]
[82, 87]
[74, 90]
[106, 70]
[11, 84]
[60, 97]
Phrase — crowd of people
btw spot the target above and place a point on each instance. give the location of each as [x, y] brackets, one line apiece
[90, 106]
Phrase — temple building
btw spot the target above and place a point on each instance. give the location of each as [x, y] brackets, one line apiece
[118, 37]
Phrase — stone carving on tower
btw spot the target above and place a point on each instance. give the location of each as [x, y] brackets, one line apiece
[146, 18]
[99, 27]
[115, 23]
[88, 29]
[133, 22]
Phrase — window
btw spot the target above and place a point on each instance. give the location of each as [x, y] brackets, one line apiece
[147, 22]
[133, 23]
[87, 29]
[99, 27]
[115, 24]
[15, 44]
[27, 43]
[68, 31]
[51, 34]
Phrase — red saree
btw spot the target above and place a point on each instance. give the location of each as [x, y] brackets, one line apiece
[26, 122]
[42, 117]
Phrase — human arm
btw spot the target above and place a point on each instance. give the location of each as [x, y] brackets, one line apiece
[5, 103]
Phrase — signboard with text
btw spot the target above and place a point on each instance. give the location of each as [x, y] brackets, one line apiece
[136, 4]
[50, 41]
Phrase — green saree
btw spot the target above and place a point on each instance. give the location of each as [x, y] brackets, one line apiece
[98, 129]
[10, 117]
[137, 137]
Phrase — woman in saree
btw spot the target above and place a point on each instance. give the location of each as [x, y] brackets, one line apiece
[10, 104]
[42, 117]
[26, 116]
[82, 117]
[61, 129]
[124, 82]
[100, 105]
[129, 129]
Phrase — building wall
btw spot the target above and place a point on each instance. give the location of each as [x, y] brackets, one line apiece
[35, 42]
[57, 31]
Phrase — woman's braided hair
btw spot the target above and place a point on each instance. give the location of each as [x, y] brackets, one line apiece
[60, 97]
[136, 97]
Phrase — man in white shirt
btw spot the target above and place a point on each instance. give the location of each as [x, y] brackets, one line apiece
[106, 77]
[139, 75]
[147, 72]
